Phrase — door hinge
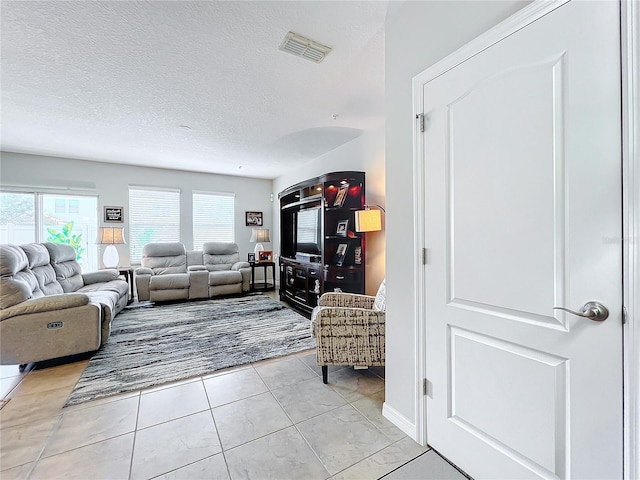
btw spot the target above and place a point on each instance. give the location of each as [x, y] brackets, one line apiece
[420, 116]
[424, 256]
[424, 386]
[624, 315]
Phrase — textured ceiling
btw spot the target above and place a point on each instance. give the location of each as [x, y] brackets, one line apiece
[118, 81]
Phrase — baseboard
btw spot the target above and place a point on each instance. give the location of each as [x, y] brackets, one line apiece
[399, 420]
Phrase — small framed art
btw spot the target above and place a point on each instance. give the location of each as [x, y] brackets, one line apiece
[341, 228]
[265, 256]
[251, 258]
[341, 253]
[253, 219]
[341, 196]
[114, 214]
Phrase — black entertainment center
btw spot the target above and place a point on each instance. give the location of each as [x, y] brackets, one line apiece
[320, 251]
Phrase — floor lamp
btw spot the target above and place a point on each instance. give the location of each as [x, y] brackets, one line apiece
[368, 220]
[111, 236]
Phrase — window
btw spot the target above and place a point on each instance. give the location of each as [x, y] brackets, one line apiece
[41, 217]
[17, 217]
[213, 218]
[60, 205]
[154, 216]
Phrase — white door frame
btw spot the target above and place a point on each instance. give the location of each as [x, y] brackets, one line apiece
[630, 52]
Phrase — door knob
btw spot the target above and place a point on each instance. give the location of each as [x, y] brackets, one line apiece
[592, 310]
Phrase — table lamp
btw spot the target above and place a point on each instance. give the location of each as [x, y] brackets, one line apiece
[259, 235]
[111, 236]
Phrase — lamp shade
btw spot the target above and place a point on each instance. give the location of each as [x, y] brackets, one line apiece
[368, 221]
[260, 235]
[111, 236]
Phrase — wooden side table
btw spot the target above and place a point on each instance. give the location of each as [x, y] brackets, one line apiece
[127, 273]
[265, 285]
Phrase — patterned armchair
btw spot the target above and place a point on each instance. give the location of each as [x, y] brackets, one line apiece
[349, 329]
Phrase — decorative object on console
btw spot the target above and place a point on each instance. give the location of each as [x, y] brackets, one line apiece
[341, 228]
[251, 258]
[341, 252]
[357, 256]
[253, 219]
[368, 220]
[341, 196]
[111, 236]
[259, 235]
[265, 256]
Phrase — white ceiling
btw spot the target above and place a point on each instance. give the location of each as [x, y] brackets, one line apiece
[117, 81]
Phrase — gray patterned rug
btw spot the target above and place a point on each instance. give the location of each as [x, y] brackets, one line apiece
[152, 345]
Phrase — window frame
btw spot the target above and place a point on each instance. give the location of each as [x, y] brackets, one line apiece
[232, 217]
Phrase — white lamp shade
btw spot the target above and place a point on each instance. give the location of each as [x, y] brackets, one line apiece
[110, 257]
[368, 221]
[111, 236]
[260, 235]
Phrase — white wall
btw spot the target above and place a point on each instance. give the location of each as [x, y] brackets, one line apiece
[364, 154]
[110, 182]
[417, 35]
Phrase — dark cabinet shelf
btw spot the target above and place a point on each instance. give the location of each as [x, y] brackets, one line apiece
[320, 250]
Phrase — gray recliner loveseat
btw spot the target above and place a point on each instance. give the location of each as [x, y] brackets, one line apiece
[49, 308]
[169, 272]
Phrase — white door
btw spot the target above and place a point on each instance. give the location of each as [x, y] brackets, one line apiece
[523, 213]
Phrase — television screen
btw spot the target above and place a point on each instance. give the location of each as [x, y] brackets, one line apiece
[308, 231]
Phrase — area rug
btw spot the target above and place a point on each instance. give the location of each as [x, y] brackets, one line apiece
[156, 344]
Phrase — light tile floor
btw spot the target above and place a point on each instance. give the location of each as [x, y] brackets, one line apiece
[269, 420]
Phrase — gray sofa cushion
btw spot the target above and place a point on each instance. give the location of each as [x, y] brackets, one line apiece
[45, 304]
[39, 263]
[169, 281]
[226, 277]
[165, 258]
[220, 255]
[12, 259]
[14, 266]
[13, 292]
[194, 257]
[68, 270]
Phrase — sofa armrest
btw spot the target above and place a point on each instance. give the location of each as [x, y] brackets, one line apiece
[349, 336]
[144, 271]
[143, 277]
[45, 304]
[341, 299]
[197, 268]
[239, 265]
[100, 276]
[198, 283]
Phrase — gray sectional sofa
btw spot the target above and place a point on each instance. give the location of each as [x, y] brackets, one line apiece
[49, 308]
[169, 272]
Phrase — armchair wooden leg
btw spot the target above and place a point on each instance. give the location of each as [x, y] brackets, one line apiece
[325, 374]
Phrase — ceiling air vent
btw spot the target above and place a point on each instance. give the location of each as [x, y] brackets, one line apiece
[304, 47]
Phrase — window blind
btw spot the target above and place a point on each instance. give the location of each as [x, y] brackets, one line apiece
[213, 218]
[154, 216]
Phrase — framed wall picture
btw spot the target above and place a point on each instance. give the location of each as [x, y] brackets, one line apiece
[341, 228]
[341, 253]
[253, 219]
[341, 196]
[265, 256]
[114, 214]
[251, 258]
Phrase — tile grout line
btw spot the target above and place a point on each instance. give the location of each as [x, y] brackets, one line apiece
[295, 425]
[215, 425]
[135, 434]
[44, 446]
